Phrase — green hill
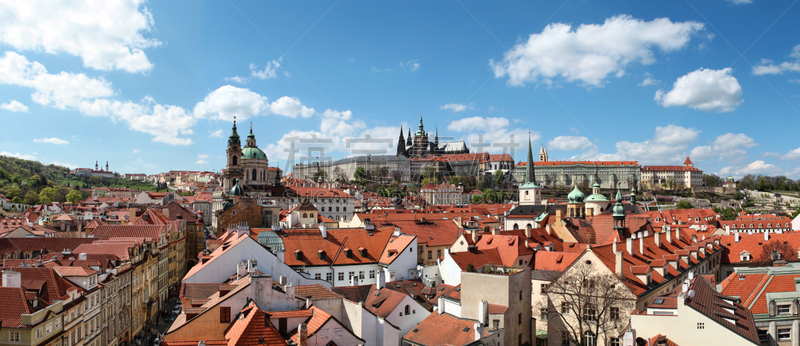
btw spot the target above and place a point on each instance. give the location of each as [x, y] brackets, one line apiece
[24, 180]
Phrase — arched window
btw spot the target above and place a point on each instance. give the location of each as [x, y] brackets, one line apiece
[254, 174]
[234, 161]
[590, 339]
[408, 309]
[528, 225]
[769, 225]
[305, 215]
[516, 226]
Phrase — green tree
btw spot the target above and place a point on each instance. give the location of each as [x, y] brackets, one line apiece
[74, 197]
[498, 178]
[48, 192]
[477, 198]
[684, 205]
[31, 197]
[61, 195]
[360, 173]
[16, 200]
[45, 200]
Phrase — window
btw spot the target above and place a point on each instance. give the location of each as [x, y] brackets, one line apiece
[614, 313]
[438, 253]
[784, 309]
[543, 288]
[337, 333]
[564, 339]
[352, 274]
[323, 334]
[13, 336]
[701, 325]
[543, 312]
[49, 328]
[589, 337]
[615, 342]
[361, 275]
[341, 276]
[784, 334]
[371, 274]
[430, 254]
[318, 276]
[589, 313]
[329, 277]
[408, 309]
[519, 316]
[565, 308]
[495, 324]
[38, 333]
[224, 314]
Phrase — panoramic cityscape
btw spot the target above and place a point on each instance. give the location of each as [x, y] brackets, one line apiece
[399, 173]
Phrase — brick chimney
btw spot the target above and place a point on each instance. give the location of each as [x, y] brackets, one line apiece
[528, 231]
[302, 335]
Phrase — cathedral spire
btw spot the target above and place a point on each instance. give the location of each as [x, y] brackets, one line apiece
[401, 144]
[530, 174]
[234, 138]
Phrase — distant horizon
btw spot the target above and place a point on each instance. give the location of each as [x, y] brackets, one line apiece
[154, 86]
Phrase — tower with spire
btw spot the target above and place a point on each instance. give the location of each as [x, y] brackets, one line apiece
[421, 147]
[529, 192]
[543, 154]
[107, 170]
[233, 168]
[401, 144]
[619, 215]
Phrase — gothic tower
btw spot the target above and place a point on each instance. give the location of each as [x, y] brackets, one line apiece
[421, 143]
[543, 154]
[401, 144]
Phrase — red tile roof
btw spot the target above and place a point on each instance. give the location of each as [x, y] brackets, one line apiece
[318, 319]
[442, 329]
[669, 169]
[478, 258]
[132, 231]
[253, 328]
[309, 243]
[557, 261]
[395, 247]
[14, 305]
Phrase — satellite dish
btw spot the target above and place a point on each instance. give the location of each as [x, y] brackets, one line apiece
[691, 294]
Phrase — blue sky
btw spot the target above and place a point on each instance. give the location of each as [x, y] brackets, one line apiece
[154, 86]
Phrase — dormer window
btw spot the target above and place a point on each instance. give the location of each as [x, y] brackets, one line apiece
[363, 252]
[322, 255]
[298, 255]
[348, 253]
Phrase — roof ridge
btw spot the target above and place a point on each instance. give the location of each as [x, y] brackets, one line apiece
[764, 287]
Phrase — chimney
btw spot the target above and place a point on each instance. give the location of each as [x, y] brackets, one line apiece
[495, 231]
[474, 233]
[483, 312]
[589, 212]
[668, 233]
[381, 280]
[641, 245]
[677, 234]
[657, 238]
[12, 278]
[528, 231]
[548, 229]
[728, 229]
[736, 237]
[478, 331]
[766, 236]
[302, 335]
[441, 305]
[241, 269]
[618, 263]
[559, 212]
[629, 245]
[324, 231]
[82, 256]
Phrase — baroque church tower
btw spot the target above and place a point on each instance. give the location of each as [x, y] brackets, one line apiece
[233, 168]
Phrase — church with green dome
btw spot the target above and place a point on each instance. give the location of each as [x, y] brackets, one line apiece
[248, 166]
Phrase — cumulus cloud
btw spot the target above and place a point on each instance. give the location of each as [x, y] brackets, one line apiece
[228, 101]
[270, 70]
[51, 140]
[135, 151]
[18, 155]
[166, 123]
[570, 143]
[755, 168]
[456, 107]
[704, 89]
[591, 52]
[14, 106]
[668, 144]
[728, 145]
[56, 90]
[105, 35]
[649, 80]
[201, 159]
[478, 123]
[768, 67]
[216, 134]
[739, 2]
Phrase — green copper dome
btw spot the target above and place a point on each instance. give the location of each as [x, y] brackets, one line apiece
[596, 197]
[596, 185]
[576, 196]
[253, 153]
[619, 210]
[237, 190]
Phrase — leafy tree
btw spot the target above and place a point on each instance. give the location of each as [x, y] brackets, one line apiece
[48, 193]
[738, 195]
[360, 173]
[31, 197]
[775, 250]
[45, 200]
[684, 205]
[477, 198]
[498, 178]
[61, 195]
[74, 197]
[16, 200]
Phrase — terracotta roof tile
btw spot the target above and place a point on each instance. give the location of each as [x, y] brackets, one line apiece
[442, 329]
[253, 328]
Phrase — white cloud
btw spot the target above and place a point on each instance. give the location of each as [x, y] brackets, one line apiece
[458, 107]
[756, 167]
[64, 164]
[290, 107]
[768, 67]
[18, 155]
[216, 134]
[478, 123]
[228, 101]
[649, 80]
[668, 145]
[61, 90]
[591, 52]
[51, 140]
[201, 159]
[15, 106]
[412, 64]
[270, 71]
[704, 89]
[105, 35]
[739, 2]
[135, 151]
[570, 143]
[166, 123]
[728, 145]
